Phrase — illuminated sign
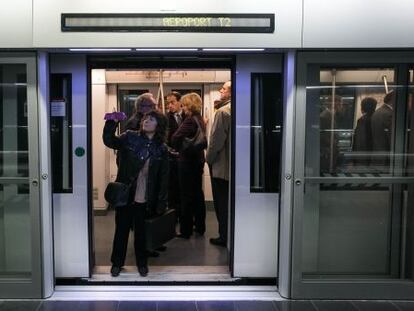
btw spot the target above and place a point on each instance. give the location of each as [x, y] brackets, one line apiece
[236, 23]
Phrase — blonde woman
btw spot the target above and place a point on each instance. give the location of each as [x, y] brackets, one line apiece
[190, 169]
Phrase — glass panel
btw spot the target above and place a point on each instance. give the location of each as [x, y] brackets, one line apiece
[357, 126]
[265, 132]
[61, 131]
[15, 232]
[13, 122]
[15, 216]
[347, 230]
[351, 117]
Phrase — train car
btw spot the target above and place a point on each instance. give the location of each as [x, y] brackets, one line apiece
[320, 185]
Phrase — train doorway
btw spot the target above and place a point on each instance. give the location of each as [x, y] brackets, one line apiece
[179, 259]
[107, 82]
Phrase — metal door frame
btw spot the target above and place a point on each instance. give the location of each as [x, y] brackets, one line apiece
[336, 288]
[28, 288]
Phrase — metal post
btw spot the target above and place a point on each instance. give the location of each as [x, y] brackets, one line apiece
[332, 120]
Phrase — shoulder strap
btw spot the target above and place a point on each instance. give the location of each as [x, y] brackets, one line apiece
[198, 123]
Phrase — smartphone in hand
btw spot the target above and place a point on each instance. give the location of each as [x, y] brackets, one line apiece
[116, 115]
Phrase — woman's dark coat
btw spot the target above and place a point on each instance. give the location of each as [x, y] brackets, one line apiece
[134, 149]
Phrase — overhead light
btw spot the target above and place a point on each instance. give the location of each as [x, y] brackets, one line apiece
[233, 50]
[155, 50]
[99, 50]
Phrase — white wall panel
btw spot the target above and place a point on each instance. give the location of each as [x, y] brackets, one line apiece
[16, 24]
[358, 24]
[47, 28]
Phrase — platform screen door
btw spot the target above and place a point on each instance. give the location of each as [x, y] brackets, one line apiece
[353, 209]
[20, 256]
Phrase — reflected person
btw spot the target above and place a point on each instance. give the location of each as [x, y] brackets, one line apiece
[329, 149]
[362, 141]
[381, 123]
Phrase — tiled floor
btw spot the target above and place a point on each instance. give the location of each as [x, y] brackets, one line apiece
[206, 306]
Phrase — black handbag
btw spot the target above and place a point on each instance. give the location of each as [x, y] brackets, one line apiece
[117, 194]
[196, 143]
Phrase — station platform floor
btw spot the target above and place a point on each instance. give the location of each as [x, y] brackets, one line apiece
[283, 305]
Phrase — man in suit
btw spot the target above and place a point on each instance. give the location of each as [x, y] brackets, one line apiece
[175, 117]
[381, 123]
[362, 140]
[218, 153]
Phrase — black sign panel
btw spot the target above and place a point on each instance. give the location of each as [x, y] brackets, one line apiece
[234, 23]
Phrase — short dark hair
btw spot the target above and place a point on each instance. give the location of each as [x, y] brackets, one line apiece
[368, 105]
[161, 130]
[175, 94]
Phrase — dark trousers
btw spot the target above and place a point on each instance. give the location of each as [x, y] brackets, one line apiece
[193, 207]
[220, 188]
[127, 217]
[174, 186]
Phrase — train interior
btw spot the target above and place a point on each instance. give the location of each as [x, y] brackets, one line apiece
[179, 259]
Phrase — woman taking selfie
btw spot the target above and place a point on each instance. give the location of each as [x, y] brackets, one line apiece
[143, 164]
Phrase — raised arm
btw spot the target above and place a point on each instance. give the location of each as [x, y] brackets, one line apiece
[109, 138]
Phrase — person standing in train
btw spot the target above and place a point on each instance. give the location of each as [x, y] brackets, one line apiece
[143, 164]
[382, 129]
[190, 169]
[362, 141]
[330, 158]
[218, 153]
[175, 117]
[143, 104]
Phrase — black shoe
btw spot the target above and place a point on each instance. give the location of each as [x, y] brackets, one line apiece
[143, 271]
[183, 236]
[218, 242]
[115, 270]
[162, 248]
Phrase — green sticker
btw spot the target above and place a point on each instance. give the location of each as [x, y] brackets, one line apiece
[79, 152]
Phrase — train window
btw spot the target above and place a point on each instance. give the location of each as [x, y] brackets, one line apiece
[61, 131]
[265, 132]
[126, 102]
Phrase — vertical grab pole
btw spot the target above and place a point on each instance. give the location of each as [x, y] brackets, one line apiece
[161, 91]
[332, 120]
[384, 79]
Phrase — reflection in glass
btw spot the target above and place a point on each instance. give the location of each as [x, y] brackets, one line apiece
[13, 122]
[15, 229]
[348, 231]
[15, 216]
[351, 116]
[358, 228]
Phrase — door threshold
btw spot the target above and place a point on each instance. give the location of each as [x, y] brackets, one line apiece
[169, 274]
[166, 293]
